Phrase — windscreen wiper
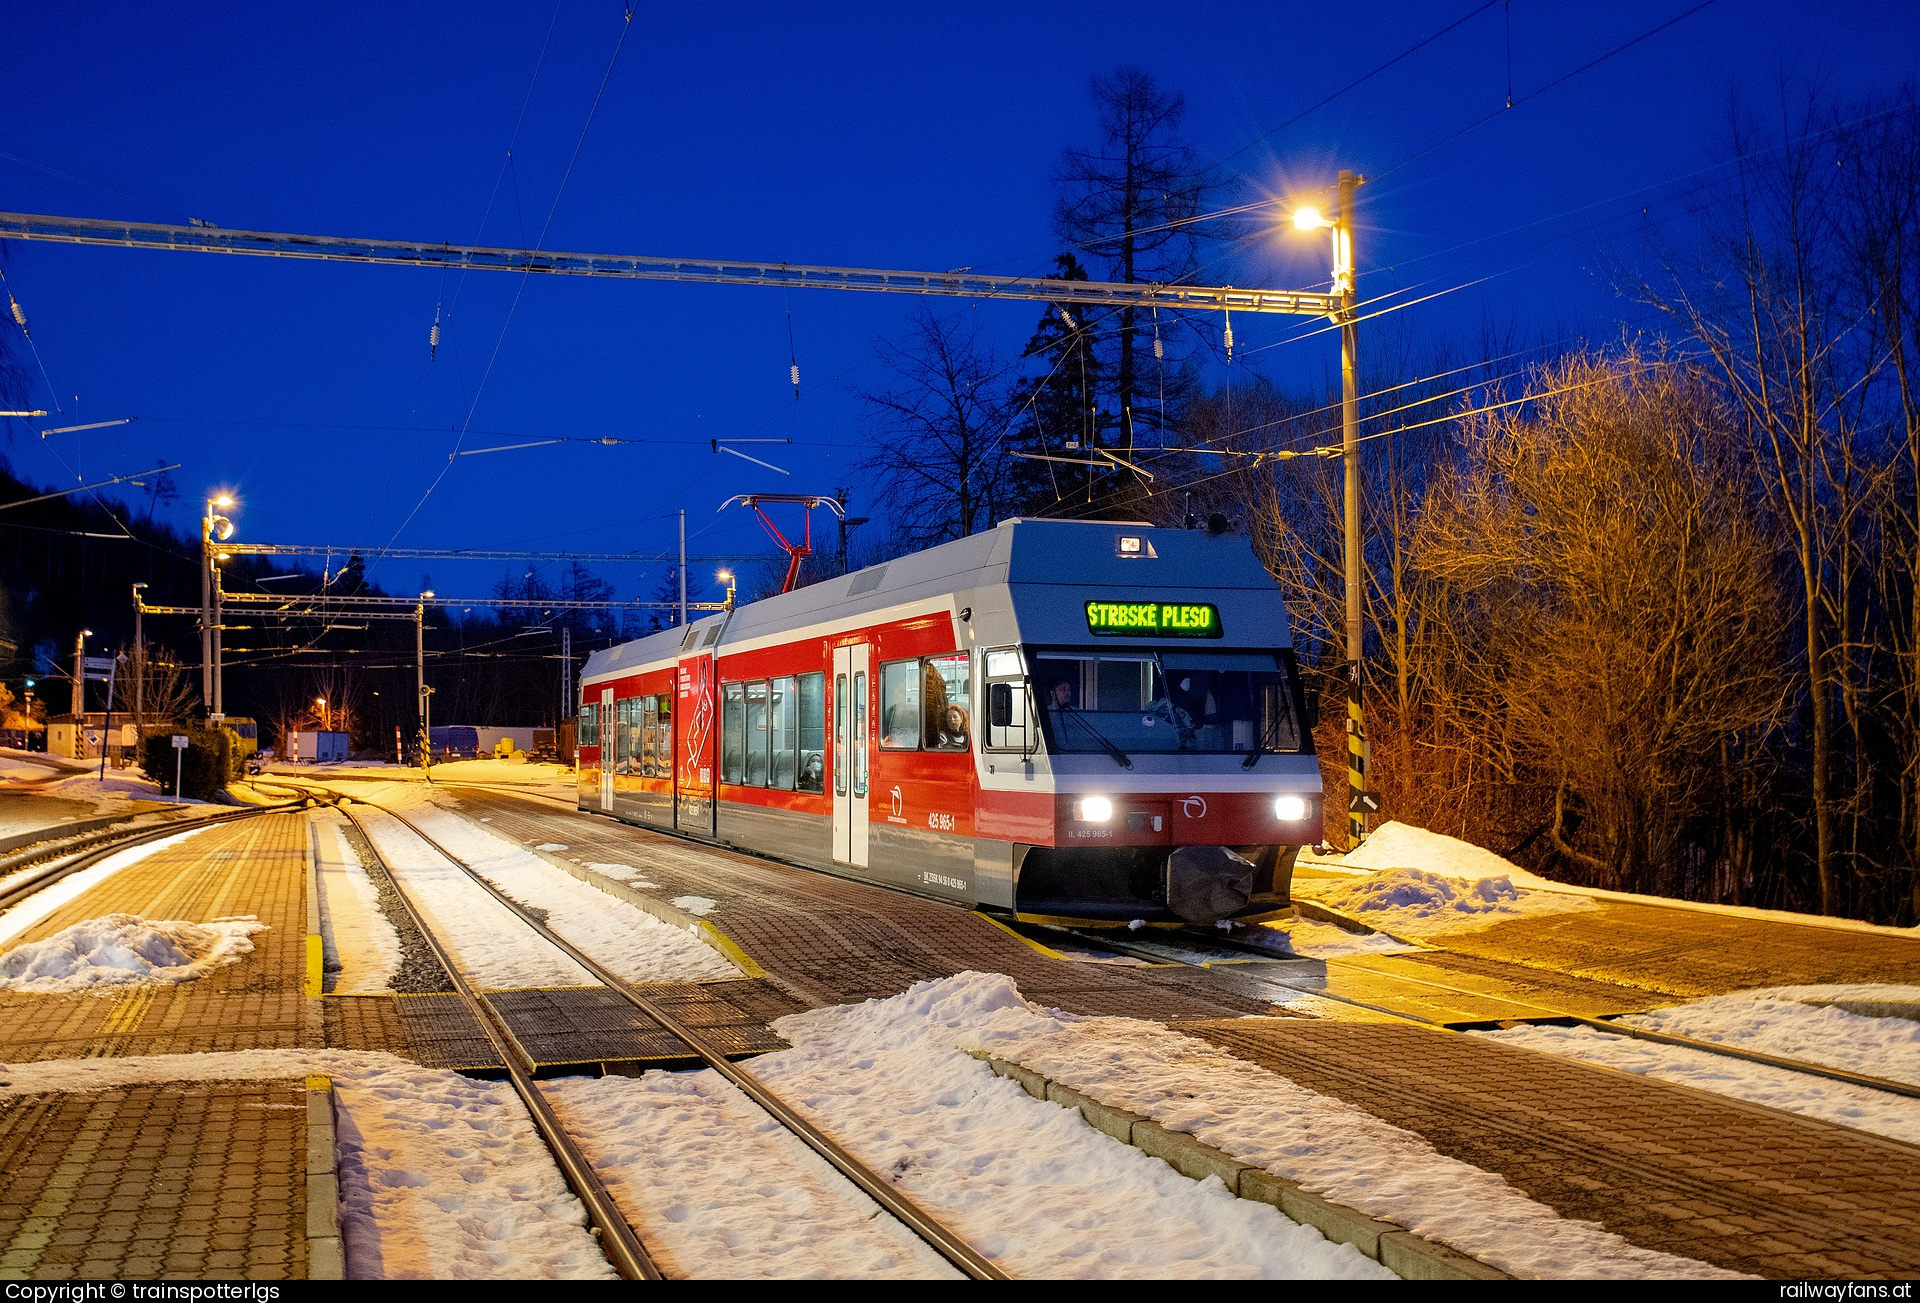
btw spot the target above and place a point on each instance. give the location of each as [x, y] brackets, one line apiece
[1265, 745]
[1122, 758]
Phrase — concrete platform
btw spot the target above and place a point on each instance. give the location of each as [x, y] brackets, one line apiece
[1665, 1167]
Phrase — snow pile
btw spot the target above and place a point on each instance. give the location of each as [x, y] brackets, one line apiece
[1402, 846]
[1328, 1146]
[125, 950]
[1028, 1183]
[441, 1177]
[701, 905]
[630, 941]
[1414, 900]
[623, 873]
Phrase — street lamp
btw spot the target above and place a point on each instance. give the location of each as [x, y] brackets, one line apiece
[325, 724]
[139, 655]
[726, 577]
[1309, 218]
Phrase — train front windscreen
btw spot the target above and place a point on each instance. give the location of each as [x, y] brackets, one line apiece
[1168, 702]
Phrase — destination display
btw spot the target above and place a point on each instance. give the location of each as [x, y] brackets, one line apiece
[1153, 619]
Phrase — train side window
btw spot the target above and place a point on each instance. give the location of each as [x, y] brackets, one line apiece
[900, 694]
[813, 733]
[1009, 712]
[757, 733]
[589, 725]
[780, 712]
[663, 736]
[733, 731]
[623, 735]
[840, 749]
[649, 762]
[948, 715]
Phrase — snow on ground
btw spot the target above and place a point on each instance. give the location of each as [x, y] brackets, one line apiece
[441, 1177]
[720, 1189]
[548, 846]
[1772, 1021]
[1028, 1183]
[494, 946]
[361, 945]
[700, 905]
[1397, 845]
[42, 903]
[1859, 1107]
[1313, 940]
[1416, 902]
[630, 941]
[620, 873]
[1328, 1146]
[121, 950]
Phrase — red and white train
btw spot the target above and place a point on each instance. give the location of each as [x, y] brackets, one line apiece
[1061, 719]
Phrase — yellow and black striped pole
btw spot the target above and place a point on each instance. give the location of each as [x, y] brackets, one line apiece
[1356, 758]
[1343, 285]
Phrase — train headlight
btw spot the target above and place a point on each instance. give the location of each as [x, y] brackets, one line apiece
[1290, 809]
[1095, 809]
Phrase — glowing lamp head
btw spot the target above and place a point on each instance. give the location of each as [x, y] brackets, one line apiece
[1290, 809]
[427, 593]
[1096, 809]
[223, 500]
[1309, 218]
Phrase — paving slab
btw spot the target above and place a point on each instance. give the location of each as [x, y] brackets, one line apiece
[253, 866]
[1663, 1166]
[200, 1180]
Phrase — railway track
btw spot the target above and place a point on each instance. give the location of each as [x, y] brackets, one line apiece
[622, 1244]
[1528, 1011]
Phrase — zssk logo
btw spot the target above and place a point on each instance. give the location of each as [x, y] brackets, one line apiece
[1194, 807]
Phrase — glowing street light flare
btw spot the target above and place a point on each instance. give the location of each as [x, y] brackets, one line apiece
[1309, 218]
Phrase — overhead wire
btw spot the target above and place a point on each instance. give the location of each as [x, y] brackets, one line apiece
[626, 27]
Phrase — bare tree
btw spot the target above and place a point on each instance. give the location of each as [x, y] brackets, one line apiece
[1131, 201]
[939, 454]
[1765, 301]
[1610, 550]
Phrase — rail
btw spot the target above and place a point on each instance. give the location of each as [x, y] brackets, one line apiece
[938, 1236]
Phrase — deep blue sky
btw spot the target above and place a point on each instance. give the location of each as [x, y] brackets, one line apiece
[872, 135]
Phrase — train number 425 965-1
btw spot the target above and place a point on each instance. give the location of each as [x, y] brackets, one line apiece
[940, 822]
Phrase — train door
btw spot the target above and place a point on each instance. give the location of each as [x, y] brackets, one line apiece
[608, 741]
[850, 670]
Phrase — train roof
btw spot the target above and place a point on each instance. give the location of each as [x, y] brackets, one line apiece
[1042, 566]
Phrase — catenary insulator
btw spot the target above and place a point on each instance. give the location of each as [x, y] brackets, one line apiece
[1229, 339]
[19, 313]
[1069, 320]
[794, 371]
[433, 336]
[1158, 352]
